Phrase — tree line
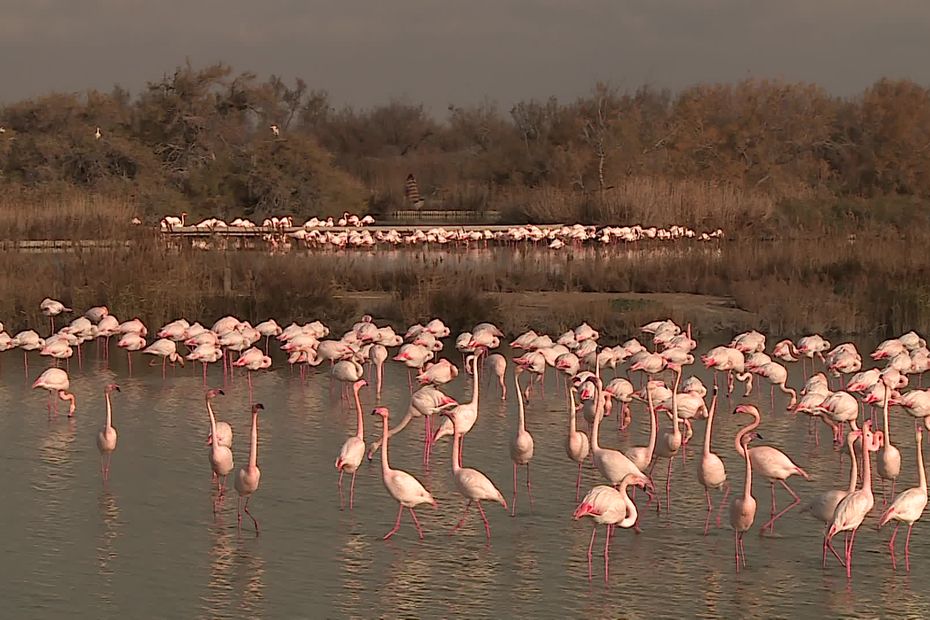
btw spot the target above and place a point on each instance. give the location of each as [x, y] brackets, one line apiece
[201, 140]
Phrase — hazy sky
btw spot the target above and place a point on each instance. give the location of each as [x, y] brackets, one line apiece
[368, 51]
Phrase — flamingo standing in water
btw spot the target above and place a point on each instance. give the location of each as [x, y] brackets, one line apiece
[167, 350]
[576, 444]
[853, 509]
[56, 381]
[611, 507]
[711, 472]
[52, 308]
[131, 341]
[466, 414]
[248, 477]
[521, 447]
[221, 457]
[498, 364]
[889, 457]
[669, 442]
[403, 487]
[353, 450]
[106, 438]
[772, 464]
[378, 354]
[223, 432]
[908, 507]
[743, 507]
[471, 483]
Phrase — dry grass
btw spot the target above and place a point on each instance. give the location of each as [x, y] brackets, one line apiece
[66, 214]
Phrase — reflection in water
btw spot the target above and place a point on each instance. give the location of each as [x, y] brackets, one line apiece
[355, 568]
[237, 575]
[106, 553]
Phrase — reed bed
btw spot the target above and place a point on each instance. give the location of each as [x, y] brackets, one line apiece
[871, 287]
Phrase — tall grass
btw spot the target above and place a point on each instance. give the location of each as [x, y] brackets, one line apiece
[66, 213]
[864, 287]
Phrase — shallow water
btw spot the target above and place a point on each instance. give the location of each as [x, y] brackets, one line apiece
[147, 544]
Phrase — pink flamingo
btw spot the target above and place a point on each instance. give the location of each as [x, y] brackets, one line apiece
[353, 450]
[576, 444]
[252, 359]
[403, 487]
[711, 472]
[853, 509]
[772, 464]
[221, 456]
[471, 483]
[248, 477]
[56, 381]
[466, 414]
[106, 438]
[167, 350]
[823, 506]
[908, 507]
[611, 507]
[52, 308]
[425, 402]
[889, 457]
[378, 354]
[521, 448]
[669, 442]
[498, 364]
[743, 507]
[131, 342]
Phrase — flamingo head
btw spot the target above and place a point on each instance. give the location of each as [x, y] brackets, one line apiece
[358, 385]
[211, 394]
[257, 407]
[747, 409]
[381, 411]
[111, 388]
[749, 437]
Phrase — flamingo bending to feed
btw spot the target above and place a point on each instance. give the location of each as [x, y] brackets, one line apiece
[853, 509]
[908, 507]
[471, 483]
[56, 381]
[167, 350]
[403, 487]
[743, 507]
[711, 472]
[248, 477]
[772, 464]
[106, 438]
[611, 507]
[353, 450]
[576, 444]
[521, 448]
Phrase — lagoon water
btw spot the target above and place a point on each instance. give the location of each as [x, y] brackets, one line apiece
[147, 544]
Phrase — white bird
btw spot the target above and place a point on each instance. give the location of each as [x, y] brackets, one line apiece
[353, 450]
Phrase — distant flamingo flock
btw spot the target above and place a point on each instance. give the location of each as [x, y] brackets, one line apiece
[599, 381]
[351, 231]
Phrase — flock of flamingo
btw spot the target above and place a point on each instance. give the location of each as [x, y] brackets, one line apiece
[584, 362]
[351, 231]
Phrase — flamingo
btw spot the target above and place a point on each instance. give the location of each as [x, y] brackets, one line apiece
[27, 340]
[576, 444]
[167, 350]
[743, 508]
[611, 507]
[521, 448]
[438, 373]
[403, 487]
[641, 456]
[56, 381]
[353, 450]
[823, 506]
[471, 483]
[248, 477]
[106, 438]
[908, 507]
[252, 359]
[778, 376]
[378, 354]
[889, 457]
[498, 364]
[425, 402]
[773, 464]
[132, 341]
[612, 464]
[669, 442]
[221, 456]
[853, 509]
[466, 414]
[711, 472]
[52, 308]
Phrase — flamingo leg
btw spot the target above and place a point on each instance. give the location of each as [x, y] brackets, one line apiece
[352, 491]
[726, 494]
[607, 554]
[416, 523]
[484, 517]
[462, 520]
[341, 496]
[852, 541]
[513, 505]
[529, 489]
[578, 483]
[894, 562]
[668, 486]
[591, 549]
[710, 510]
[797, 500]
[400, 511]
[907, 549]
[736, 538]
[246, 509]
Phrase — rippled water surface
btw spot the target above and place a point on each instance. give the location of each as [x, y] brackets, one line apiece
[147, 544]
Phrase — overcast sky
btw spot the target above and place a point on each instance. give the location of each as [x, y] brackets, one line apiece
[369, 51]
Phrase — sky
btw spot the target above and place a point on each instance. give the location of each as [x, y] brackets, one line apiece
[366, 52]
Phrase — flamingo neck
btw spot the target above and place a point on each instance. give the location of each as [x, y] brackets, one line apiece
[64, 395]
[109, 411]
[456, 450]
[676, 431]
[631, 513]
[653, 424]
[385, 435]
[595, 427]
[253, 448]
[474, 386]
[708, 430]
[885, 426]
[920, 464]
[572, 426]
[747, 488]
[360, 432]
[520, 407]
[853, 467]
[866, 464]
[757, 420]
[212, 421]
